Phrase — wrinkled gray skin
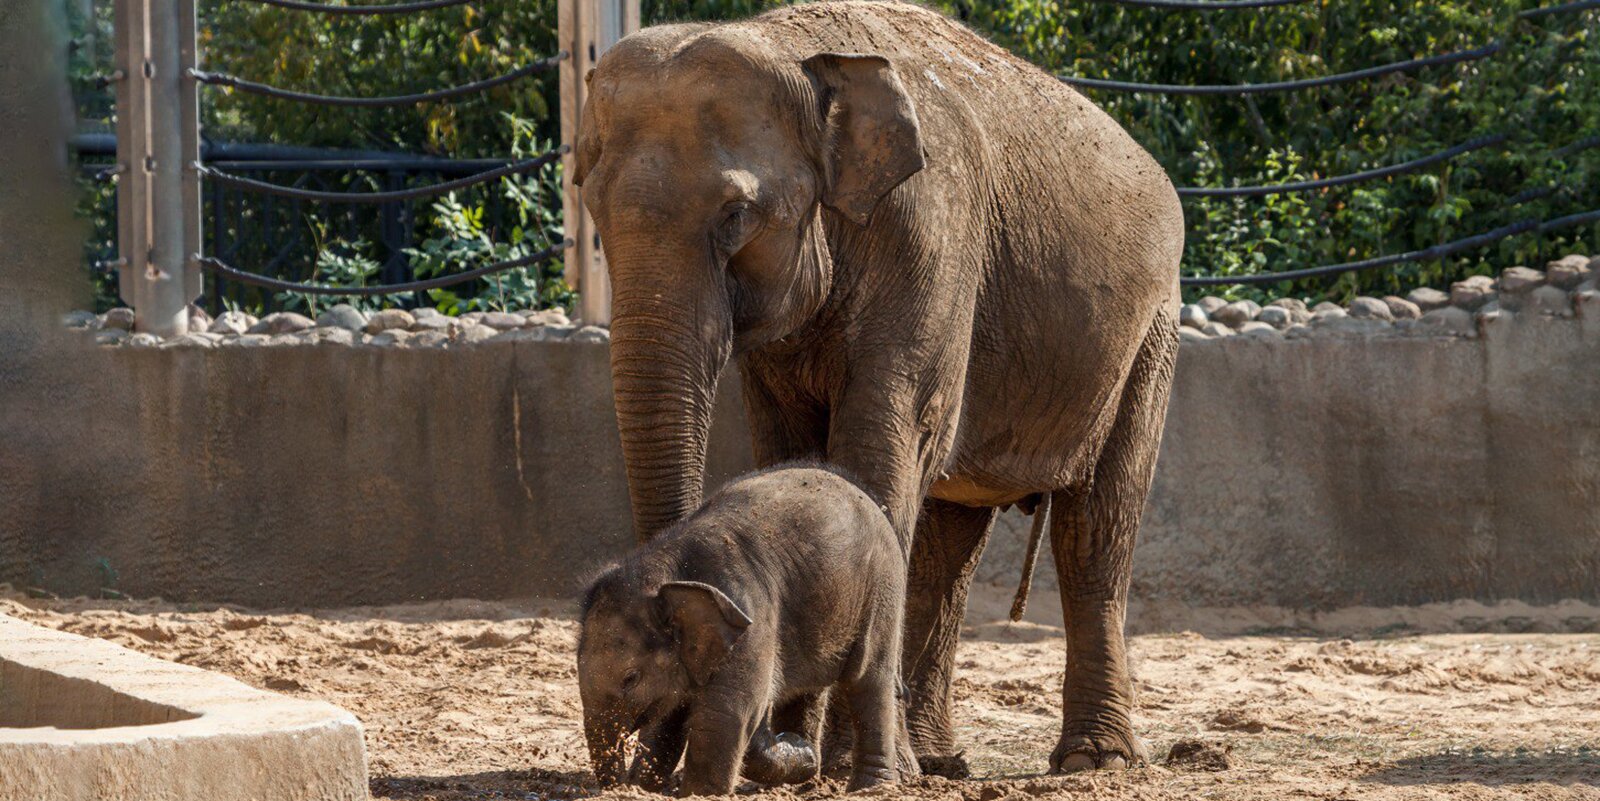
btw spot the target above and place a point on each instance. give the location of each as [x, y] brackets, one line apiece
[788, 582]
[936, 266]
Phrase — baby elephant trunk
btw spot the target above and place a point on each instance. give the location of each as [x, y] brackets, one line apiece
[607, 744]
[783, 759]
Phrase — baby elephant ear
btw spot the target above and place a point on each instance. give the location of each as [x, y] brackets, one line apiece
[707, 623]
[874, 140]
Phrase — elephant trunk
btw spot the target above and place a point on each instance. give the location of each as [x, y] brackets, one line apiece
[667, 352]
[607, 740]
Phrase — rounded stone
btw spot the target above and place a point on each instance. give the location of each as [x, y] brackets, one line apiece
[1549, 300]
[592, 334]
[1210, 303]
[437, 322]
[1450, 319]
[1328, 315]
[430, 339]
[1260, 330]
[81, 320]
[390, 338]
[474, 333]
[1402, 309]
[547, 317]
[343, 316]
[336, 336]
[503, 321]
[110, 336]
[388, 319]
[1326, 305]
[1292, 304]
[232, 323]
[1472, 293]
[1189, 334]
[143, 340]
[282, 323]
[1236, 313]
[188, 341]
[1365, 308]
[120, 317]
[1216, 329]
[1192, 316]
[1427, 298]
[1278, 317]
[1517, 280]
[426, 313]
[1568, 272]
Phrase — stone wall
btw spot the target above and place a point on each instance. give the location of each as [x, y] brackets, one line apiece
[1339, 460]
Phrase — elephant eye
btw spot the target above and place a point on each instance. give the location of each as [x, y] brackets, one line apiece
[738, 223]
[630, 680]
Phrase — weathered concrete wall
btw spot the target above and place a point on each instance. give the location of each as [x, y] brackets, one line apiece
[1315, 471]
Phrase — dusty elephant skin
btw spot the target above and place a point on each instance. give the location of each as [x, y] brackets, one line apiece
[788, 582]
[938, 268]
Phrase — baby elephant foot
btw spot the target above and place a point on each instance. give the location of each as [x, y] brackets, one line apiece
[1100, 751]
[787, 759]
[870, 775]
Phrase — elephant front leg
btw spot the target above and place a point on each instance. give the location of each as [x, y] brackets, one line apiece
[944, 556]
[718, 736]
[660, 747]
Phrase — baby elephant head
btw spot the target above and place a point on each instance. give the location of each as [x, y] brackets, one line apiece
[641, 655]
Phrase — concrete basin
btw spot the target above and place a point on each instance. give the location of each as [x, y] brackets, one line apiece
[85, 720]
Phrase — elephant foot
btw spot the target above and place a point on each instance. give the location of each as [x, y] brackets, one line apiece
[1101, 750]
[952, 766]
[788, 759]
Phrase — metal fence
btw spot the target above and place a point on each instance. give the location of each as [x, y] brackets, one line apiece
[170, 187]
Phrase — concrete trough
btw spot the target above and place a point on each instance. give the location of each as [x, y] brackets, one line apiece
[84, 719]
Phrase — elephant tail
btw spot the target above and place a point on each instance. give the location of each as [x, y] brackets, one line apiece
[1041, 519]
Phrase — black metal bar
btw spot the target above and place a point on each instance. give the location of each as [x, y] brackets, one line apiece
[1355, 177]
[1284, 86]
[1198, 5]
[235, 82]
[266, 282]
[432, 190]
[395, 8]
[1425, 254]
[1577, 6]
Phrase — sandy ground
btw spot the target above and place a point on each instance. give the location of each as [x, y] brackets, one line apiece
[473, 700]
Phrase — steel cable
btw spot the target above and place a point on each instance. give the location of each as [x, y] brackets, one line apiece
[1199, 5]
[432, 190]
[235, 82]
[1565, 7]
[1426, 254]
[1340, 180]
[396, 8]
[1284, 86]
[225, 270]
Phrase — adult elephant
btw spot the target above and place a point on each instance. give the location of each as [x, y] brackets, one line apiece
[937, 266]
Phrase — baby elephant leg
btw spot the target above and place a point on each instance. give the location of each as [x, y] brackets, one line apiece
[873, 700]
[785, 758]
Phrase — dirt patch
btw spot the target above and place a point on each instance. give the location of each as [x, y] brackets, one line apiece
[470, 700]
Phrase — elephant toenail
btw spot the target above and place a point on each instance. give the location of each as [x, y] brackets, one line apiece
[1072, 763]
[1115, 763]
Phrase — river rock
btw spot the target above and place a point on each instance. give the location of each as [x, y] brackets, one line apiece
[1210, 303]
[1517, 280]
[1401, 309]
[191, 340]
[1471, 293]
[1568, 272]
[433, 338]
[1325, 316]
[343, 316]
[592, 334]
[1549, 300]
[199, 320]
[1190, 334]
[1216, 329]
[1324, 306]
[1292, 304]
[436, 322]
[1192, 316]
[143, 340]
[282, 323]
[1427, 298]
[473, 333]
[120, 317]
[503, 321]
[425, 313]
[547, 317]
[232, 323]
[391, 337]
[1235, 314]
[110, 336]
[1260, 330]
[388, 320]
[1365, 308]
[81, 320]
[1450, 319]
[334, 335]
[1276, 316]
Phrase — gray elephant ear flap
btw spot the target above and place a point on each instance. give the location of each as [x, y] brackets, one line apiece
[706, 623]
[874, 142]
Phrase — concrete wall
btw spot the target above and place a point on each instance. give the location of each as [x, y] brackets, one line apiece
[1308, 472]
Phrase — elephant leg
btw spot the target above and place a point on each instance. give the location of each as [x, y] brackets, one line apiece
[950, 538]
[660, 748]
[1092, 534]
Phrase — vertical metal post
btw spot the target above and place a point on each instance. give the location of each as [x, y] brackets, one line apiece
[158, 139]
[586, 28]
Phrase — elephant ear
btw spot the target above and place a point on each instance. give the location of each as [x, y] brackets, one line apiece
[706, 623]
[873, 139]
[588, 146]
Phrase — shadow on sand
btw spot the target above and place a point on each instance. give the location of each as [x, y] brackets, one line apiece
[1560, 767]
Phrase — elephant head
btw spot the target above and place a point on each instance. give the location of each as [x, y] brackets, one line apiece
[707, 156]
[641, 654]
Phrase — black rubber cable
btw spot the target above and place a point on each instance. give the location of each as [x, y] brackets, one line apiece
[395, 8]
[265, 282]
[1425, 254]
[235, 82]
[1284, 86]
[1339, 180]
[432, 190]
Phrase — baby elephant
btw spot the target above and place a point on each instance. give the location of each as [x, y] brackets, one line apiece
[787, 582]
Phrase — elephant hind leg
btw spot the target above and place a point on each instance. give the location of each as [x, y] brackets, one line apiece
[944, 554]
[1092, 535]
